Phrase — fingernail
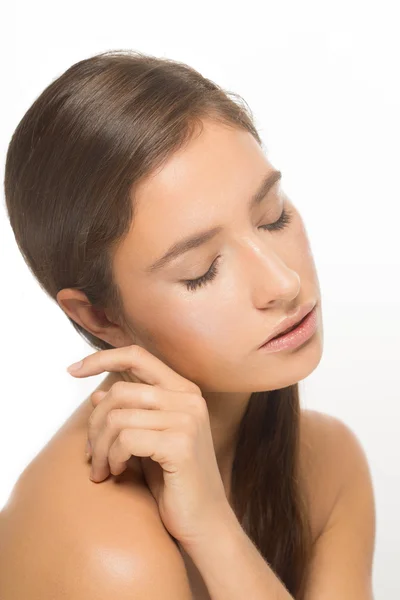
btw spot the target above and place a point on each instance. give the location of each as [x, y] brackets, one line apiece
[75, 366]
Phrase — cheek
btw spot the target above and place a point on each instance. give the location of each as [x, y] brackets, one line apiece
[193, 340]
[205, 323]
[196, 334]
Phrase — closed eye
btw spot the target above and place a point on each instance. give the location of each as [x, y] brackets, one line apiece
[281, 223]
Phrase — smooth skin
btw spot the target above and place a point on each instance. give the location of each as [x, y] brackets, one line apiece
[165, 421]
[211, 335]
[105, 540]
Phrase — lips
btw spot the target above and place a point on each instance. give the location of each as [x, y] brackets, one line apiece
[293, 321]
[290, 329]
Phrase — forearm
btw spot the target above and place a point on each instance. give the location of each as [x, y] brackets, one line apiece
[231, 565]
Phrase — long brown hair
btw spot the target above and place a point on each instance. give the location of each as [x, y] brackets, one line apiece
[72, 167]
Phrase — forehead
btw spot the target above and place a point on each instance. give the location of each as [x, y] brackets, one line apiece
[200, 183]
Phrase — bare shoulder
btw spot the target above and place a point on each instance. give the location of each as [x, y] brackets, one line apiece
[342, 560]
[331, 455]
[63, 535]
[330, 443]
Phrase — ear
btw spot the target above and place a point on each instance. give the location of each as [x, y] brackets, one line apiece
[97, 396]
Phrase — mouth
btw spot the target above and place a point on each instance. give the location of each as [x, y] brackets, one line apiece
[292, 323]
[290, 329]
[295, 336]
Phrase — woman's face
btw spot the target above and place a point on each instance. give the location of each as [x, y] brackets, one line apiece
[210, 334]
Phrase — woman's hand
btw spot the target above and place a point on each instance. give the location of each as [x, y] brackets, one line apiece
[163, 419]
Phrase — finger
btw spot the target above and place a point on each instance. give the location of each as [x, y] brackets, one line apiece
[137, 361]
[137, 442]
[97, 396]
[140, 395]
[119, 419]
[121, 395]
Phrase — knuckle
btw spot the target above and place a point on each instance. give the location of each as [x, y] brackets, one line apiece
[147, 395]
[199, 405]
[194, 389]
[188, 387]
[93, 395]
[136, 351]
[112, 417]
[117, 388]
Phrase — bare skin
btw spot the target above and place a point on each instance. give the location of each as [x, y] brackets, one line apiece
[55, 489]
[210, 336]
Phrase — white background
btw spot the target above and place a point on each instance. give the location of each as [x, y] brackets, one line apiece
[323, 82]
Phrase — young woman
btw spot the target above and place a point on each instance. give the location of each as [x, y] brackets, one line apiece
[142, 200]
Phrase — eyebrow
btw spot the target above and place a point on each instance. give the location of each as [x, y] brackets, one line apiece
[200, 238]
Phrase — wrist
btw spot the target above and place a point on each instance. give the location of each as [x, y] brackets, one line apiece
[216, 526]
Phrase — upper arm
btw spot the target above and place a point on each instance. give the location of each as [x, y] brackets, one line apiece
[342, 561]
[144, 572]
[99, 573]
[42, 559]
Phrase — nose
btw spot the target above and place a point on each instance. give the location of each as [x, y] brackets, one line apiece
[266, 273]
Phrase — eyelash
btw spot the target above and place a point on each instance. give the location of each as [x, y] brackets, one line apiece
[281, 223]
